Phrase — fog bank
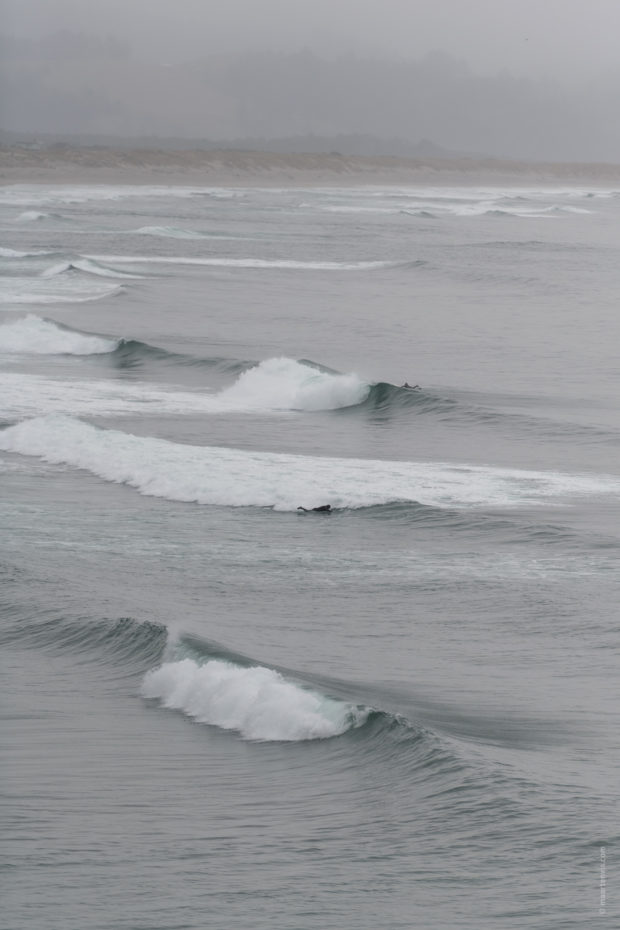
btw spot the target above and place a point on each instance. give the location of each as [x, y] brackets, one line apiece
[73, 83]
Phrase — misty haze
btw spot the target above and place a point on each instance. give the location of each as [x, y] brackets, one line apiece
[70, 71]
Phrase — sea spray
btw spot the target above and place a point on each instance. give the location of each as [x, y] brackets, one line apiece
[281, 383]
[257, 701]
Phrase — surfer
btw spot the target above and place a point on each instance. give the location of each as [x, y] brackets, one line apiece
[324, 508]
[416, 387]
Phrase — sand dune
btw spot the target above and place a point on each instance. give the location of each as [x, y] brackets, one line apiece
[234, 168]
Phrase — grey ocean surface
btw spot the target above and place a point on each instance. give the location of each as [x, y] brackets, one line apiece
[220, 711]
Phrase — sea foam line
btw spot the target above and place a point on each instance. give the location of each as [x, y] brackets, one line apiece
[12, 253]
[238, 478]
[244, 262]
[55, 290]
[41, 195]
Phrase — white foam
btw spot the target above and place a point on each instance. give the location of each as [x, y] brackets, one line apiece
[359, 209]
[53, 290]
[276, 385]
[30, 395]
[34, 336]
[30, 216]
[244, 263]
[88, 266]
[11, 253]
[452, 201]
[568, 209]
[169, 232]
[283, 384]
[257, 702]
[40, 194]
[233, 477]
[57, 268]
[472, 193]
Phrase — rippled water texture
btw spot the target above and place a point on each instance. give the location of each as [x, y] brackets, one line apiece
[222, 710]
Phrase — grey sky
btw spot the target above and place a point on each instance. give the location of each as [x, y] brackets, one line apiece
[567, 39]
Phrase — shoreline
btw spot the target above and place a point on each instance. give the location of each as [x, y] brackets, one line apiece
[102, 165]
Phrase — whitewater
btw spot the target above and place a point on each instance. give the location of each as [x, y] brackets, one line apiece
[223, 709]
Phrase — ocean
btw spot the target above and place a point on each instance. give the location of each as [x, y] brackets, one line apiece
[222, 711]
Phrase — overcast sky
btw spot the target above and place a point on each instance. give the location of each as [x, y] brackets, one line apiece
[566, 39]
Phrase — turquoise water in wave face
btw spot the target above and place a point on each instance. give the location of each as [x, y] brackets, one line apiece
[223, 711]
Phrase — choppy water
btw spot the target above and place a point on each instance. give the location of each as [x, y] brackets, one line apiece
[221, 711]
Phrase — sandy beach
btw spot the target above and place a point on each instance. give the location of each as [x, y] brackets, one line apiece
[101, 165]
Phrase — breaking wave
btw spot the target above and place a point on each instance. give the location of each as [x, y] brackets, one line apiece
[276, 385]
[67, 280]
[88, 266]
[203, 681]
[36, 336]
[257, 702]
[39, 336]
[237, 478]
[34, 216]
[284, 384]
[268, 387]
[424, 214]
[217, 687]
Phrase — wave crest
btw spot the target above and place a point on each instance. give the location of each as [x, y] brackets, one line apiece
[35, 336]
[256, 263]
[13, 253]
[88, 266]
[170, 232]
[35, 216]
[257, 702]
[284, 384]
